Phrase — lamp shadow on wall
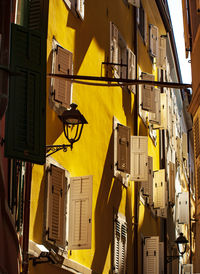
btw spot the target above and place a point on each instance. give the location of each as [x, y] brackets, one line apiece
[109, 197]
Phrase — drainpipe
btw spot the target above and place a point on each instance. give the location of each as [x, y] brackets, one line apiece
[26, 217]
[135, 252]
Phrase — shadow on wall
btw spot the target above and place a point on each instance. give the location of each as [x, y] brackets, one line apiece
[107, 200]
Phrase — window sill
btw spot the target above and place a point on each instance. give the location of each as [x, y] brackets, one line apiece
[74, 267]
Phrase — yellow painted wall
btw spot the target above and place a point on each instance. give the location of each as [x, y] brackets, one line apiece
[88, 40]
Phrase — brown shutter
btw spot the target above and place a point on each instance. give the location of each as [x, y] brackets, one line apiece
[62, 87]
[196, 137]
[56, 205]
[123, 148]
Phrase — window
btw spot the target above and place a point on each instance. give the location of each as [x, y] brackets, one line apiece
[122, 58]
[139, 158]
[151, 255]
[147, 186]
[183, 208]
[120, 244]
[69, 208]
[142, 23]
[153, 40]
[61, 90]
[159, 188]
[78, 6]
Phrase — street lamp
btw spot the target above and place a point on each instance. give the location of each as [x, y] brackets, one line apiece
[181, 242]
[73, 122]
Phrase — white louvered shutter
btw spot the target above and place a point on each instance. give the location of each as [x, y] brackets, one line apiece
[161, 57]
[147, 186]
[170, 125]
[179, 149]
[159, 187]
[148, 97]
[131, 69]
[173, 139]
[135, 3]
[184, 146]
[120, 245]
[80, 8]
[161, 257]
[155, 118]
[151, 255]
[114, 44]
[163, 112]
[80, 212]
[153, 43]
[162, 212]
[183, 208]
[187, 268]
[139, 158]
[172, 174]
[56, 205]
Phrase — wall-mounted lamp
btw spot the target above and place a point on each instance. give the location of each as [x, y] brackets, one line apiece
[73, 122]
[181, 242]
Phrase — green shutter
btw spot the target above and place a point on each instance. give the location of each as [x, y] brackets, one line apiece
[25, 117]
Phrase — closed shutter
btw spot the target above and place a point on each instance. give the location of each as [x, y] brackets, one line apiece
[187, 268]
[161, 58]
[120, 245]
[159, 187]
[145, 28]
[131, 69]
[172, 175]
[148, 97]
[139, 158]
[151, 255]
[179, 149]
[80, 212]
[170, 124]
[155, 118]
[153, 43]
[184, 146]
[163, 112]
[196, 133]
[114, 47]
[56, 205]
[135, 3]
[147, 186]
[61, 87]
[80, 8]
[173, 138]
[161, 257]
[183, 208]
[123, 148]
[38, 15]
[25, 117]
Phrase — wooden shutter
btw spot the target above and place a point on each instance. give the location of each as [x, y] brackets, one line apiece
[184, 146]
[25, 117]
[183, 208]
[196, 133]
[139, 158]
[151, 255]
[56, 205]
[131, 69]
[161, 57]
[38, 15]
[187, 268]
[179, 149]
[161, 257]
[123, 148]
[155, 118]
[159, 187]
[153, 40]
[114, 47]
[172, 174]
[147, 186]
[61, 87]
[135, 3]
[120, 245]
[148, 97]
[173, 139]
[198, 5]
[163, 112]
[145, 28]
[80, 8]
[80, 212]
